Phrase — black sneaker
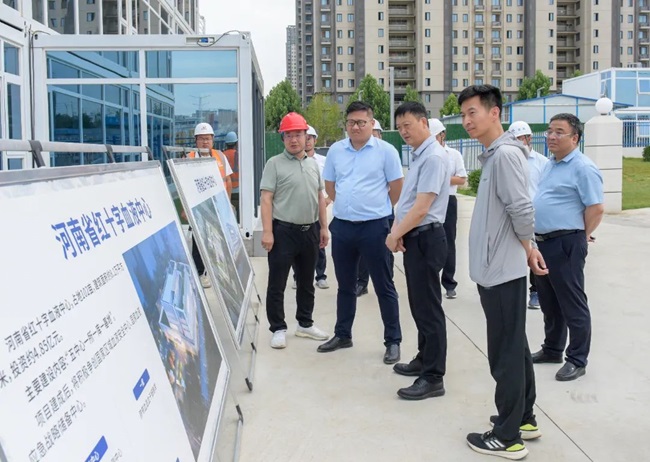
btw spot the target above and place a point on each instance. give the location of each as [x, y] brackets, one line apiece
[529, 429]
[488, 443]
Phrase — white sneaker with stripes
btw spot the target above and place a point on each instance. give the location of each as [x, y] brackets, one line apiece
[489, 443]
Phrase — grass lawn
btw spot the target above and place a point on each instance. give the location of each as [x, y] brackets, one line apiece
[636, 184]
[466, 192]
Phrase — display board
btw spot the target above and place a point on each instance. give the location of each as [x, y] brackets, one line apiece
[108, 352]
[215, 229]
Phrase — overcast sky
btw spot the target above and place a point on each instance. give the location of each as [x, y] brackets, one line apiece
[267, 20]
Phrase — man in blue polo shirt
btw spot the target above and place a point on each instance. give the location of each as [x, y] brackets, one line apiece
[568, 208]
[418, 232]
[363, 176]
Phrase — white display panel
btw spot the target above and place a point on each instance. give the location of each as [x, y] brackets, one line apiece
[106, 348]
[215, 229]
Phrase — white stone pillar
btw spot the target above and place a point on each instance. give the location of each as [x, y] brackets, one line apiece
[603, 137]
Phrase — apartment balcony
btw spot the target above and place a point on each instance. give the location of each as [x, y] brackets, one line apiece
[479, 40]
[496, 73]
[401, 59]
[644, 7]
[644, 40]
[479, 72]
[497, 40]
[644, 25]
[325, 41]
[644, 57]
[566, 13]
[326, 73]
[325, 57]
[564, 59]
[565, 44]
[479, 57]
[326, 7]
[496, 7]
[401, 27]
[496, 56]
[404, 75]
[479, 7]
[562, 75]
[479, 23]
[497, 23]
[324, 89]
[398, 44]
[401, 12]
[566, 29]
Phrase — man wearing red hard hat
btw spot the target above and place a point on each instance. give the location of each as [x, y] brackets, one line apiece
[292, 204]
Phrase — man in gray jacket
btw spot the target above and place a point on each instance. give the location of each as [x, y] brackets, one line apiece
[499, 247]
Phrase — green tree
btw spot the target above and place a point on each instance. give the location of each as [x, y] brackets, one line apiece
[412, 95]
[325, 117]
[373, 94]
[576, 73]
[532, 85]
[281, 100]
[450, 106]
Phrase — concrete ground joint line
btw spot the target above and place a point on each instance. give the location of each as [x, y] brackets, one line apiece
[536, 404]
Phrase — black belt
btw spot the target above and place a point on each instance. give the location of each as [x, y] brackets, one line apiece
[420, 229]
[554, 234]
[286, 224]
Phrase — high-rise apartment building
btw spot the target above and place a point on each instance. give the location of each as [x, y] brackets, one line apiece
[439, 47]
[112, 16]
[292, 56]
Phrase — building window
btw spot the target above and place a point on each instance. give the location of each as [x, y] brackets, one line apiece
[351, 67]
[508, 18]
[339, 17]
[465, 66]
[380, 16]
[427, 16]
[465, 18]
[508, 82]
[350, 2]
[380, 49]
[520, 66]
[427, 65]
[351, 33]
[380, 65]
[551, 17]
[595, 17]
[508, 34]
[350, 17]
[339, 67]
[595, 49]
[339, 34]
[454, 51]
[465, 51]
[90, 17]
[427, 98]
[520, 50]
[551, 32]
[550, 49]
[339, 50]
[465, 82]
[551, 64]
[478, 82]
[427, 32]
[380, 32]
[454, 82]
[520, 18]
[454, 17]
[595, 65]
[427, 49]
[427, 82]
[339, 99]
[595, 32]
[350, 50]
[380, 82]
[496, 82]
[339, 83]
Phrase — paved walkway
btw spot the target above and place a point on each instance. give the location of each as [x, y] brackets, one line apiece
[342, 406]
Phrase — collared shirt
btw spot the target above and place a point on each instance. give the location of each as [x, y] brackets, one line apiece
[429, 173]
[456, 167]
[295, 184]
[536, 164]
[361, 178]
[566, 188]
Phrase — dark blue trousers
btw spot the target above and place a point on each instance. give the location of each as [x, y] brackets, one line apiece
[367, 239]
[562, 297]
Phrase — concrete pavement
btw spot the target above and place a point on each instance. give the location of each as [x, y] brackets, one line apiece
[342, 406]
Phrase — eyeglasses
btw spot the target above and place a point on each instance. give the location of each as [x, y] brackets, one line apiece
[358, 123]
[293, 136]
[557, 135]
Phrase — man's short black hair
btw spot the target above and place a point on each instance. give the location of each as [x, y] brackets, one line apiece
[572, 120]
[489, 95]
[411, 107]
[355, 106]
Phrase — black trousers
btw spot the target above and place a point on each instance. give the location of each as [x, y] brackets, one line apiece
[424, 257]
[291, 246]
[451, 219]
[367, 239]
[511, 365]
[321, 262]
[196, 256]
[562, 297]
[533, 283]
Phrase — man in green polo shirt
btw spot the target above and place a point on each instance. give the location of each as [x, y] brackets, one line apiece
[292, 204]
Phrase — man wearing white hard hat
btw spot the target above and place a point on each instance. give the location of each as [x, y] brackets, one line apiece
[536, 164]
[458, 177]
[321, 263]
[377, 130]
[204, 138]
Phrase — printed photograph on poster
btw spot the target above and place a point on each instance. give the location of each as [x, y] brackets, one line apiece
[210, 231]
[169, 295]
[235, 243]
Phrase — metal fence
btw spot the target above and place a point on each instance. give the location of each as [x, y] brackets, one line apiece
[636, 132]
